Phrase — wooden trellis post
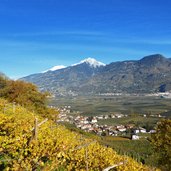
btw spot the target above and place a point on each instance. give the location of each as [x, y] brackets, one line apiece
[36, 126]
[36, 129]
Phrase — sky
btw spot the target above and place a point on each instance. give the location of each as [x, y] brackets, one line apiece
[38, 34]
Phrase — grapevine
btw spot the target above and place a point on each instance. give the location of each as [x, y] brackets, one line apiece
[55, 147]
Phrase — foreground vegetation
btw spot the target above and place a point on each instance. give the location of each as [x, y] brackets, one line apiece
[161, 141]
[54, 147]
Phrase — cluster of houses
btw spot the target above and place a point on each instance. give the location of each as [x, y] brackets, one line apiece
[114, 115]
[64, 114]
[90, 124]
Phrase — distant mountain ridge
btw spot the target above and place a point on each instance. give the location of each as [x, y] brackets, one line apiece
[149, 74]
[91, 61]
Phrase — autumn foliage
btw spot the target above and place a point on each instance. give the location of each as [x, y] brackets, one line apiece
[55, 148]
[25, 94]
[161, 141]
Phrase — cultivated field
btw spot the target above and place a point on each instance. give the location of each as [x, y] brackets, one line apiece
[98, 105]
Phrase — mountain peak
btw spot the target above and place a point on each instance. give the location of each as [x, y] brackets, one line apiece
[153, 57]
[92, 62]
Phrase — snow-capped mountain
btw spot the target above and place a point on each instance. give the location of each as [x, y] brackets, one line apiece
[91, 61]
[150, 74]
[61, 79]
[55, 68]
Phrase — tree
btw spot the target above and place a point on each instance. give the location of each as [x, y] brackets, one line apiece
[161, 141]
[27, 95]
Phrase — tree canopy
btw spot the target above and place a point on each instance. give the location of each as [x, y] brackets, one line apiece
[25, 94]
[162, 144]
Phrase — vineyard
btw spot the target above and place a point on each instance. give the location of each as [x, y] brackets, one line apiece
[31, 142]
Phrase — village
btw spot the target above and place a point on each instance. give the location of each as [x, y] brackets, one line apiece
[90, 124]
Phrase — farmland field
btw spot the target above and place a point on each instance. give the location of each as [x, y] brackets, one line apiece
[137, 120]
[140, 150]
[97, 105]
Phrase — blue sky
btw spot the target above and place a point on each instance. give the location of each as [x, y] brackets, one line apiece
[38, 34]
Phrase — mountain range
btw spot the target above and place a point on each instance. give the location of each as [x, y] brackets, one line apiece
[88, 77]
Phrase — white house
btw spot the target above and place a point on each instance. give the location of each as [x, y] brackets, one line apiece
[152, 131]
[94, 120]
[100, 117]
[135, 137]
[136, 131]
[143, 130]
